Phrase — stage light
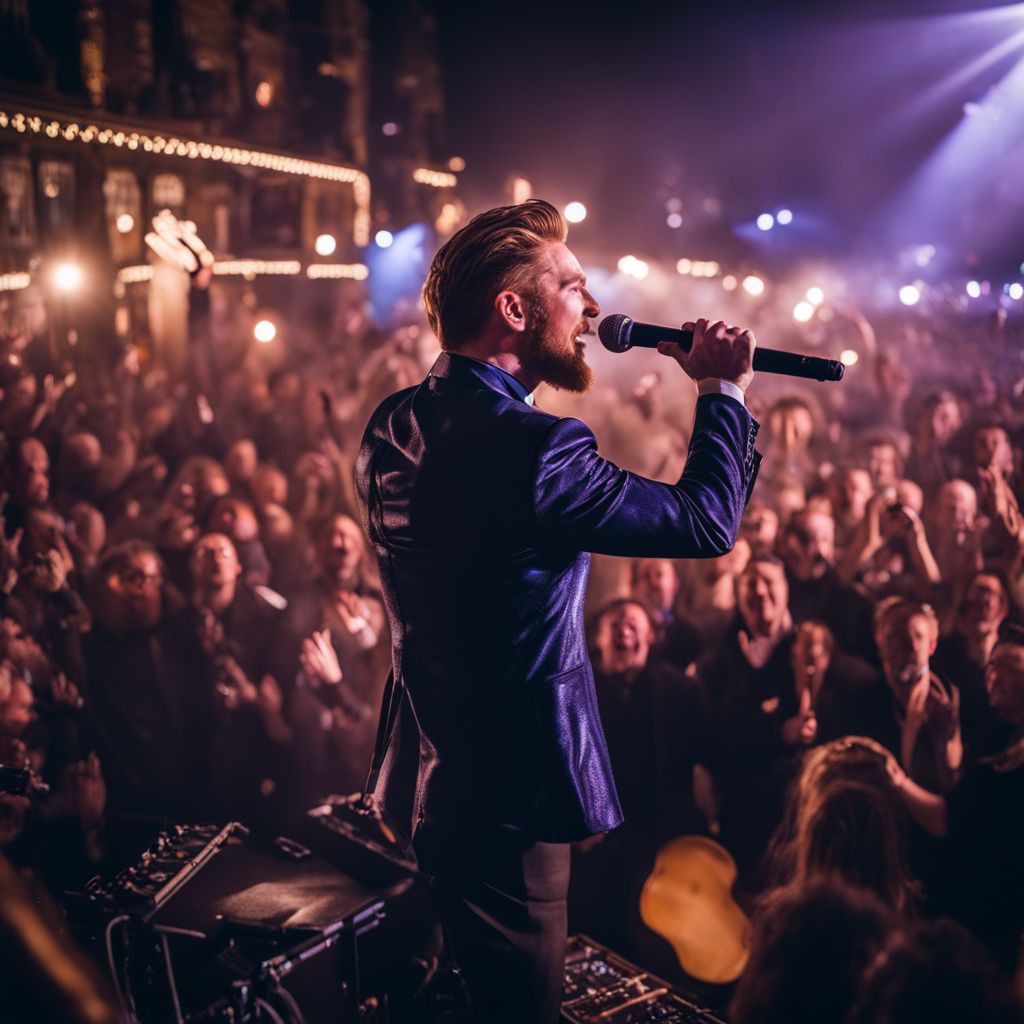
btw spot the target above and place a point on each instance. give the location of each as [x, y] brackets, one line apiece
[264, 94]
[766, 222]
[711, 268]
[1015, 291]
[974, 289]
[684, 266]
[784, 217]
[674, 220]
[910, 295]
[753, 285]
[848, 357]
[383, 239]
[575, 213]
[924, 255]
[640, 270]
[389, 128]
[729, 283]
[802, 312]
[325, 245]
[625, 264]
[265, 331]
[124, 223]
[456, 163]
[815, 296]
[67, 277]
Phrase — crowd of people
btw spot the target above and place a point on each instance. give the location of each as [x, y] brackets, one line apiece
[191, 629]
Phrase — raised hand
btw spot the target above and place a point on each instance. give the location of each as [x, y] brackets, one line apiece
[319, 659]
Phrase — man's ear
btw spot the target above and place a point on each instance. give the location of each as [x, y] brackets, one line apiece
[511, 307]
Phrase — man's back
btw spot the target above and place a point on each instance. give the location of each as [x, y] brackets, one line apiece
[486, 609]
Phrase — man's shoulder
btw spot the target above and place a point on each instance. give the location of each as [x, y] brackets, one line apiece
[471, 412]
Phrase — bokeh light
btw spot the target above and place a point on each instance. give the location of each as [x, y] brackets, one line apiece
[325, 245]
[68, 277]
[264, 331]
[910, 295]
[575, 213]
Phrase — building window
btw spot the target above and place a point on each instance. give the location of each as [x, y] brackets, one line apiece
[57, 197]
[169, 193]
[124, 214]
[17, 219]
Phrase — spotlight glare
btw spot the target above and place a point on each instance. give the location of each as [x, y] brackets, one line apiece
[974, 289]
[325, 245]
[625, 264]
[389, 128]
[674, 220]
[802, 312]
[815, 296]
[264, 331]
[848, 357]
[784, 217]
[766, 222]
[575, 213]
[456, 163]
[383, 239]
[124, 223]
[910, 295]
[640, 270]
[684, 266]
[729, 283]
[67, 277]
[753, 285]
[1016, 291]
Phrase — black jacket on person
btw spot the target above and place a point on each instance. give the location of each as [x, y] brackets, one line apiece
[481, 509]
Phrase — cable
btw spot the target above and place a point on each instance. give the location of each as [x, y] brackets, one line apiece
[109, 941]
[298, 1017]
[178, 1019]
[275, 1017]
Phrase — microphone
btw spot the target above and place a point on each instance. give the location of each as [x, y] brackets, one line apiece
[618, 333]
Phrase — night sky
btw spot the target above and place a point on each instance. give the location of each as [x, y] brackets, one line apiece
[830, 110]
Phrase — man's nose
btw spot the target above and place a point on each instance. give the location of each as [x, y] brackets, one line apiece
[592, 308]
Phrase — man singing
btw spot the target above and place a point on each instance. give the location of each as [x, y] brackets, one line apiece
[482, 509]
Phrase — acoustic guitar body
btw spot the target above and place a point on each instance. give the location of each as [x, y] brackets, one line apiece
[687, 900]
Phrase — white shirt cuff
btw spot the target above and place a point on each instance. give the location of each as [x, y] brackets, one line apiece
[716, 386]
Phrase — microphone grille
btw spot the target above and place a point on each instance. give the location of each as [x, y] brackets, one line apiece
[614, 332]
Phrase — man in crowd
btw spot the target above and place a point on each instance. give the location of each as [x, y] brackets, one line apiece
[656, 586]
[807, 546]
[753, 719]
[482, 510]
[924, 731]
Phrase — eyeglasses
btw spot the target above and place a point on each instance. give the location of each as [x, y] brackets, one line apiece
[138, 578]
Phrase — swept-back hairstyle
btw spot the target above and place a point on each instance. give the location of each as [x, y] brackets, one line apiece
[495, 252]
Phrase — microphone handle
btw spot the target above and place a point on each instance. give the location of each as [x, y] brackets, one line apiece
[766, 360]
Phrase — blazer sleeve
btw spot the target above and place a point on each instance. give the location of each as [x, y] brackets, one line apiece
[586, 503]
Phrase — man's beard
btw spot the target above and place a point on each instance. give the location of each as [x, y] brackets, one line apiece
[547, 359]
